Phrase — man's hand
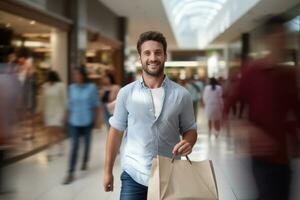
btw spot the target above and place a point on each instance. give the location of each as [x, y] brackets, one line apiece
[182, 148]
[108, 182]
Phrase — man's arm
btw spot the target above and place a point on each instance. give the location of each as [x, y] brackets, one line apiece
[187, 126]
[113, 144]
[185, 146]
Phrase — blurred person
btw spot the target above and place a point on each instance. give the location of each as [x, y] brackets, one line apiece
[13, 61]
[228, 88]
[28, 80]
[213, 105]
[111, 106]
[194, 87]
[108, 93]
[155, 112]
[199, 83]
[30, 88]
[221, 81]
[54, 96]
[269, 89]
[83, 103]
[9, 101]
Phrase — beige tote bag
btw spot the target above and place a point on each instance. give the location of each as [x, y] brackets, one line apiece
[182, 180]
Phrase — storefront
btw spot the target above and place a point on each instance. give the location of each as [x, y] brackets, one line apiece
[59, 35]
[102, 57]
[34, 35]
[38, 40]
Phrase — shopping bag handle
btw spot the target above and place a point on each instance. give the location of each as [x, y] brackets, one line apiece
[187, 158]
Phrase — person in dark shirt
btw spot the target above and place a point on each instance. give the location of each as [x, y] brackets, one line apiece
[108, 94]
[269, 89]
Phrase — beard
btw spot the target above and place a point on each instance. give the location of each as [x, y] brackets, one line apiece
[159, 69]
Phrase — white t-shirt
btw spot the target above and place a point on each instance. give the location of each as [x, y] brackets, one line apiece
[157, 96]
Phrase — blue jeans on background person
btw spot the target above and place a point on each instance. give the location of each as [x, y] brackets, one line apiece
[132, 190]
[273, 181]
[76, 132]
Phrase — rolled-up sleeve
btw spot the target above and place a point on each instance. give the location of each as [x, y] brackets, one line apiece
[119, 118]
[186, 117]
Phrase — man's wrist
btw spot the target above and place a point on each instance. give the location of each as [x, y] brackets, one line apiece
[108, 171]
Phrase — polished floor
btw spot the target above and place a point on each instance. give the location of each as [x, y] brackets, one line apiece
[30, 137]
[37, 178]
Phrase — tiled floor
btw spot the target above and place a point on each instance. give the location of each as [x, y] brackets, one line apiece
[35, 178]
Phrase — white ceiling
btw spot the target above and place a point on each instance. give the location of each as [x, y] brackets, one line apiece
[253, 18]
[227, 25]
[190, 19]
[142, 15]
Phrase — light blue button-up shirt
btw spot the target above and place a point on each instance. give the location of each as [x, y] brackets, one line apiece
[82, 104]
[148, 136]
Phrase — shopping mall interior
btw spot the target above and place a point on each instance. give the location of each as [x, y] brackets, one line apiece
[206, 40]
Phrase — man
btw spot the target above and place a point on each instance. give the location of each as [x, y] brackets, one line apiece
[155, 112]
[269, 89]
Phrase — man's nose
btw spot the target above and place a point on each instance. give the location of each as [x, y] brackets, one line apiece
[153, 57]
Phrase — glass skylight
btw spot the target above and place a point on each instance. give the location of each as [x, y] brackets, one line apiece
[189, 17]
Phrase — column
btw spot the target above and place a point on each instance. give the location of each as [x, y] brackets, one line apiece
[59, 56]
[78, 35]
[245, 39]
[122, 32]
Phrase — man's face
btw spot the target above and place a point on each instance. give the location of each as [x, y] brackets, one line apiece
[153, 58]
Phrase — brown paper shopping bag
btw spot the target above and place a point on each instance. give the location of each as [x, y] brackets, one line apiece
[182, 180]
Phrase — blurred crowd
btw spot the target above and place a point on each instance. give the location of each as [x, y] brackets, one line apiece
[263, 97]
[64, 110]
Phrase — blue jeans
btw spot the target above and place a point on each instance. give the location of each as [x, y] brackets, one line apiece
[76, 132]
[132, 190]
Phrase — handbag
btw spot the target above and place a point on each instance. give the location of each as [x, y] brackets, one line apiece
[182, 180]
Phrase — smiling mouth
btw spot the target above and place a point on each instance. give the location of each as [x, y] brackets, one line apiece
[153, 64]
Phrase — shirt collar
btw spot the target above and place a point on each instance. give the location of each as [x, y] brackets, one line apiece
[164, 83]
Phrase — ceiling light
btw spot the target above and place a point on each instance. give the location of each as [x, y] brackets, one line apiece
[32, 22]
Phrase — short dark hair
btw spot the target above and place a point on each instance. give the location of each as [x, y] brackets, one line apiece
[152, 35]
[213, 82]
[53, 76]
[83, 71]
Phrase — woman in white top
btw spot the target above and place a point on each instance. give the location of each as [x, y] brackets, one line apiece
[54, 95]
[213, 103]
